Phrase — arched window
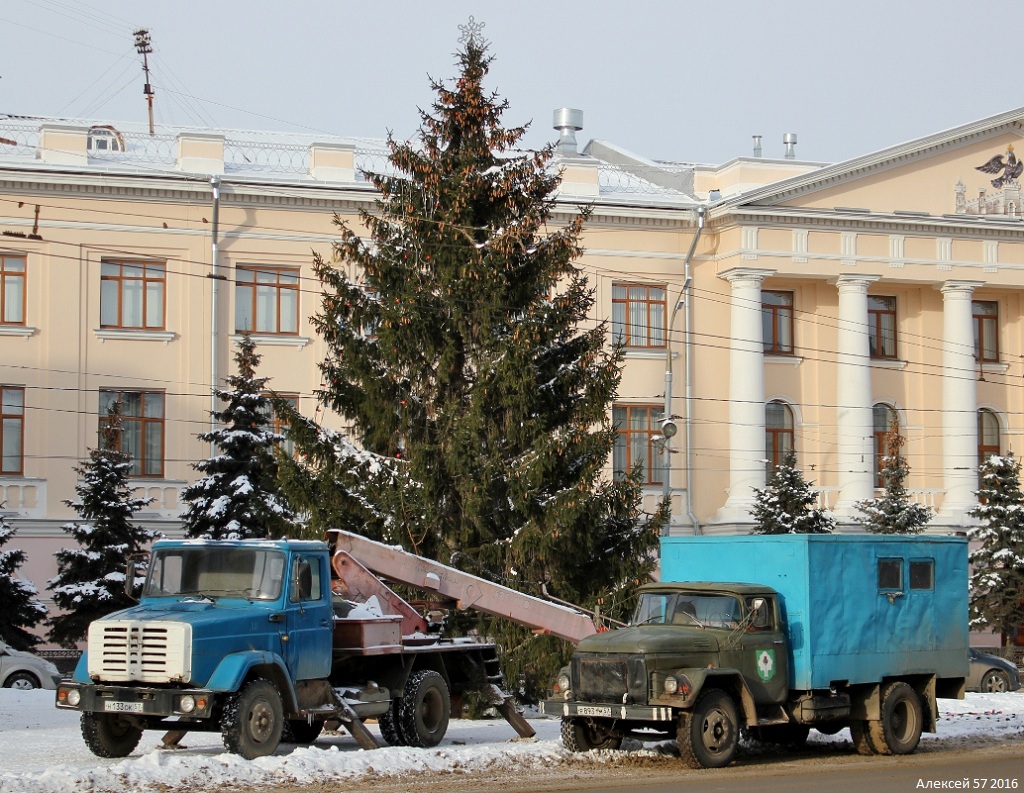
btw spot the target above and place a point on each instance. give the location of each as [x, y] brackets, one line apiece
[884, 415]
[988, 435]
[778, 430]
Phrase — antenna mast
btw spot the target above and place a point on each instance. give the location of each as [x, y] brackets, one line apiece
[143, 46]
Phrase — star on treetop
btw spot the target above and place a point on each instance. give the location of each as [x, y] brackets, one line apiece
[472, 33]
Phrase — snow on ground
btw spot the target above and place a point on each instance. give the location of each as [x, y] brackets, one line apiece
[41, 750]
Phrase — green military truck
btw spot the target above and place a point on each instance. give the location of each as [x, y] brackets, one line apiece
[777, 635]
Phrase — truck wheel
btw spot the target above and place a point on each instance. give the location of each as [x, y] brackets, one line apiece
[390, 726]
[109, 735]
[582, 735]
[709, 733]
[899, 729]
[859, 734]
[425, 709]
[301, 731]
[253, 720]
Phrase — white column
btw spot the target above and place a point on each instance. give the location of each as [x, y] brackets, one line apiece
[746, 394]
[959, 401]
[854, 420]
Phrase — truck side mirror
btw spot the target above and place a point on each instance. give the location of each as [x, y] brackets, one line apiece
[759, 613]
[135, 561]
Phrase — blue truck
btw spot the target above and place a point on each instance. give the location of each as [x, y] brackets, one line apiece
[269, 641]
[777, 635]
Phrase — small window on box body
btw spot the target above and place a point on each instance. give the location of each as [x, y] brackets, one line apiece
[922, 574]
[890, 574]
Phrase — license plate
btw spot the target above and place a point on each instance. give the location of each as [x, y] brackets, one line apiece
[585, 710]
[123, 707]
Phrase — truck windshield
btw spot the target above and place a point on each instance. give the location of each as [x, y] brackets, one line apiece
[688, 608]
[203, 571]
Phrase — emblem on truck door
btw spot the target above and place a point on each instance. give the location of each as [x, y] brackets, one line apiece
[765, 664]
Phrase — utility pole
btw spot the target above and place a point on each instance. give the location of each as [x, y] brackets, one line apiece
[143, 46]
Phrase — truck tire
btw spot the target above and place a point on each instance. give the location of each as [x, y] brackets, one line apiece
[899, 729]
[390, 726]
[425, 709]
[253, 720]
[583, 734]
[302, 732]
[110, 735]
[708, 735]
[859, 735]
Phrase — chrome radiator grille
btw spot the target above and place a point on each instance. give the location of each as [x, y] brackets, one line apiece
[140, 650]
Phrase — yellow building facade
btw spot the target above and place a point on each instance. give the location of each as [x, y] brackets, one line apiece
[796, 305]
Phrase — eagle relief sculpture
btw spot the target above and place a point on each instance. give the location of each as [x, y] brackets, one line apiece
[1010, 167]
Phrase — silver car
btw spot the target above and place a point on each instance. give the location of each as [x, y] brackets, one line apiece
[991, 674]
[21, 670]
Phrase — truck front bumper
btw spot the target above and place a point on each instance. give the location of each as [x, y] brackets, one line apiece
[562, 709]
[136, 701]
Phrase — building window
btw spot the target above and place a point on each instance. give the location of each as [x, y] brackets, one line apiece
[142, 435]
[777, 322]
[275, 423]
[882, 326]
[639, 433]
[884, 417]
[986, 330]
[778, 426]
[12, 430]
[132, 295]
[988, 435]
[12, 290]
[638, 315]
[266, 299]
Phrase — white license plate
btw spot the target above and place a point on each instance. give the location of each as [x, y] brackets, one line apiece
[123, 707]
[585, 710]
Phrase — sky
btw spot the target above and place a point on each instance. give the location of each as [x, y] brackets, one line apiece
[42, 751]
[666, 79]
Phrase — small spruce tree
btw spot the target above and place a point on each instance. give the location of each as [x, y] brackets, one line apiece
[997, 561]
[20, 609]
[787, 503]
[90, 579]
[893, 512]
[240, 496]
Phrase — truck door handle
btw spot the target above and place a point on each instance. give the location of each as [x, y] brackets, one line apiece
[324, 623]
[278, 617]
[778, 641]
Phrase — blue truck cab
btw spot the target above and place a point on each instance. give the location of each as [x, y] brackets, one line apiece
[228, 635]
[777, 635]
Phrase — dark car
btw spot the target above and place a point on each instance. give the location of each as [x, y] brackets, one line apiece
[991, 674]
[23, 670]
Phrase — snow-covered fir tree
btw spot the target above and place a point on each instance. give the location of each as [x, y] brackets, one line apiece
[20, 608]
[90, 579]
[997, 562]
[456, 357]
[787, 505]
[893, 512]
[239, 495]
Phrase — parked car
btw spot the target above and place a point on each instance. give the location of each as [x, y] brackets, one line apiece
[991, 674]
[25, 671]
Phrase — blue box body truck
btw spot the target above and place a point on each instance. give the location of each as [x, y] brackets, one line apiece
[778, 635]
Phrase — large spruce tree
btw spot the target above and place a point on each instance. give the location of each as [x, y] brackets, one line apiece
[787, 505]
[20, 608]
[456, 355]
[240, 495]
[997, 561]
[90, 580]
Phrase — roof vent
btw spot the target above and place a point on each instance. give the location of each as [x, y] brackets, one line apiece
[757, 145]
[568, 122]
[789, 139]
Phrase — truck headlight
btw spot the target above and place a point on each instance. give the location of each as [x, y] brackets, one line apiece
[187, 703]
[671, 685]
[74, 697]
[677, 685]
[564, 684]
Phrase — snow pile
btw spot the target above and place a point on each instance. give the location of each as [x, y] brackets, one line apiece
[33, 733]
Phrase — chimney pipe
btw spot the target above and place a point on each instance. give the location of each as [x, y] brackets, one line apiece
[789, 139]
[568, 122]
[757, 145]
